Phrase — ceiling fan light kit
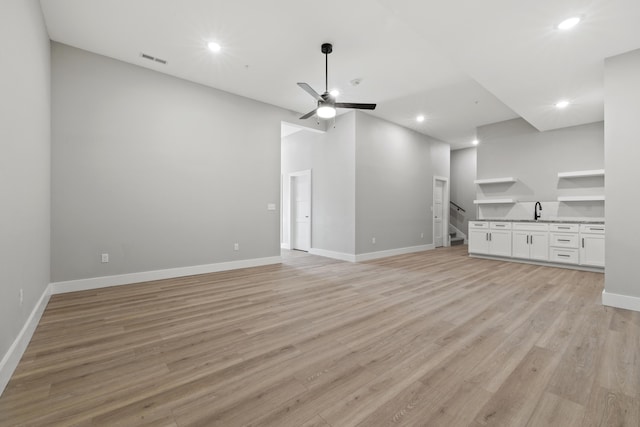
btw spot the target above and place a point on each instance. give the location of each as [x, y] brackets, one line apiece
[326, 108]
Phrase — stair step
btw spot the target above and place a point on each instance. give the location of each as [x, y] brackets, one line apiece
[457, 241]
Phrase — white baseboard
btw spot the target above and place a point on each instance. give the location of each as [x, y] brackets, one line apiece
[393, 252]
[620, 301]
[331, 254]
[285, 245]
[14, 354]
[145, 276]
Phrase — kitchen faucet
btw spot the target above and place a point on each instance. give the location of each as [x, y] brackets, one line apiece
[537, 214]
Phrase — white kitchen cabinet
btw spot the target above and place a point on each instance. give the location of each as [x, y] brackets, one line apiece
[564, 243]
[531, 241]
[592, 245]
[478, 241]
[490, 238]
[543, 242]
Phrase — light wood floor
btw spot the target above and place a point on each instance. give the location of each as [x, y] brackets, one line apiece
[430, 339]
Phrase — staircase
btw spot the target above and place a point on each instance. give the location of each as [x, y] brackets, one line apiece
[454, 238]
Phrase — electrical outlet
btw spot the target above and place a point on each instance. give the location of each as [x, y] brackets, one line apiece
[373, 240]
[21, 296]
[105, 258]
[236, 247]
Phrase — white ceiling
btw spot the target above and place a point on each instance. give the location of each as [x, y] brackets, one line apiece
[460, 63]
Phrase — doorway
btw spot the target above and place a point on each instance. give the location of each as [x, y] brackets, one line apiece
[440, 217]
[300, 210]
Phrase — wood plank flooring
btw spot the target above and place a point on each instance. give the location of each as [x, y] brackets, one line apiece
[426, 339]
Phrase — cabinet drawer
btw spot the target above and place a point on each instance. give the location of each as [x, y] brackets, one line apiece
[592, 228]
[567, 256]
[530, 226]
[500, 225]
[478, 224]
[564, 228]
[564, 240]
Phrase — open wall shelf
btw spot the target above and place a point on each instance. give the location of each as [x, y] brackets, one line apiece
[495, 180]
[581, 174]
[493, 201]
[581, 198]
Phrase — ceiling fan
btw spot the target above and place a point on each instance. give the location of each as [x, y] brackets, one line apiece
[327, 104]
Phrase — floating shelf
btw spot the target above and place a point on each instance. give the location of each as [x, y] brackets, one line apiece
[493, 201]
[581, 174]
[494, 180]
[581, 198]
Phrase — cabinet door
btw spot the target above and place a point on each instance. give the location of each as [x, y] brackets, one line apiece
[500, 243]
[478, 242]
[592, 250]
[539, 246]
[521, 244]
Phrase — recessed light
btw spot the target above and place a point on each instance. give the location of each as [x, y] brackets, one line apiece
[420, 118]
[562, 104]
[335, 93]
[475, 142]
[214, 46]
[569, 23]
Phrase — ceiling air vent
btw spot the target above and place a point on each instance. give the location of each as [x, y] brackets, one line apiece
[153, 58]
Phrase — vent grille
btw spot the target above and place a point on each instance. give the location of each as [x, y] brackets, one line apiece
[153, 58]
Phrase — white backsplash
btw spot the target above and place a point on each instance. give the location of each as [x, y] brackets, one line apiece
[573, 211]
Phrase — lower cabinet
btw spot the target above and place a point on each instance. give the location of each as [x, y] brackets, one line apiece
[592, 245]
[531, 245]
[562, 243]
[490, 238]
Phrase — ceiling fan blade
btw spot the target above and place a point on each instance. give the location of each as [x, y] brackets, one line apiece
[309, 114]
[310, 91]
[355, 105]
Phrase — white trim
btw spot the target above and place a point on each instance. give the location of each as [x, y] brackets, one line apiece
[620, 301]
[285, 245]
[331, 254]
[290, 207]
[14, 354]
[145, 276]
[392, 252]
[445, 210]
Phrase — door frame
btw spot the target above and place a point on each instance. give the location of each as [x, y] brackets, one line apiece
[445, 210]
[290, 208]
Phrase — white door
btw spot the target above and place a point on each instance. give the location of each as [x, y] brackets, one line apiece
[301, 212]
[438, 213]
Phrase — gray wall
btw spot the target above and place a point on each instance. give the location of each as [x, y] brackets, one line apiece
[515, 148]
[394, 184]
[371, 178]
[463, 190]
[24, 163]
[622, 153]
[157, 171]
[331, 157]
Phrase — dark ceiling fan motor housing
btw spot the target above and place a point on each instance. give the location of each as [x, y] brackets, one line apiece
[326, 100]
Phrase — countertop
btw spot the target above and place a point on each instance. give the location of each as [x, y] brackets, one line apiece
[547, 221]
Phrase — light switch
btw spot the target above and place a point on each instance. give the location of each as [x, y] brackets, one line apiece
[271, 206]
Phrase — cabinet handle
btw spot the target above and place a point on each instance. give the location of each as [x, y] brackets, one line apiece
[564, 228]
[583, 242]
[531, 240]
[489, 236]
[486, 236]
[527, 239]
[564, 256]
[564, 240]
[596, 229]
